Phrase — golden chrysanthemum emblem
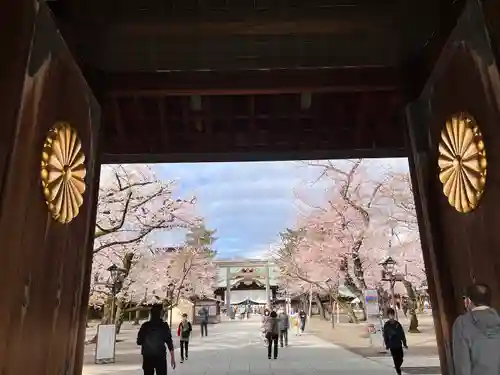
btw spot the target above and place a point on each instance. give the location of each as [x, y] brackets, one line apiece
[462, 162]
[63, 172]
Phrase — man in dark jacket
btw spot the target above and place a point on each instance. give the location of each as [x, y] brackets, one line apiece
[203, 315]
[476, 335]
[152, 337]
[395, 339]
[284, 324]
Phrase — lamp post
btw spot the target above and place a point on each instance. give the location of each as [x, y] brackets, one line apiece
[114, 283]
[388, 274]
[170, 296]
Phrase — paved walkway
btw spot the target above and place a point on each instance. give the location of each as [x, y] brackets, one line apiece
[236, 348]
[422, 357]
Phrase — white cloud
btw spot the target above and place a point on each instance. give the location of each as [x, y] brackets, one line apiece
[249, 203]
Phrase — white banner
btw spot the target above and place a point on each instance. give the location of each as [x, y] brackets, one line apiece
[105, 345]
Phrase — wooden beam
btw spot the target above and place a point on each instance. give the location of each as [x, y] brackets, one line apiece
[417, 68]
[109, 157]
[257, 27]
[345, 79]
[183, 12]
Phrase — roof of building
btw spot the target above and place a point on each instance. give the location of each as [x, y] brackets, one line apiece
[246, 269]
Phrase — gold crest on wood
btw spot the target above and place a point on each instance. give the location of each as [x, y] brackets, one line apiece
[462, 162]
[63, 172]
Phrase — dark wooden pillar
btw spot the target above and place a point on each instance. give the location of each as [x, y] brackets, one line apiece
[17, 20]
[45, 263]
[440, 284]
[459, 248]
[87, 270]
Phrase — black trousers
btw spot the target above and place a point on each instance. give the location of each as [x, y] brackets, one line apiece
[272, 340]
[204, 330]
[152, 364]
[302, 325]
[397, 356]
[284, 337]
[184, 349]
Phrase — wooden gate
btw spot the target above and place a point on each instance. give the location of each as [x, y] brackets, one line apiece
[454, 129]
[47, 201]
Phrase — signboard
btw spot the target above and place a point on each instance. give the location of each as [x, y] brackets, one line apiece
[376, 334]
[371, 302]
[105, 345]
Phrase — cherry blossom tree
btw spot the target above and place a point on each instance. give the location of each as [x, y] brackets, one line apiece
[166, 277]
[103, 290]
[133, 203]
[309, 264]
[407, 250]
[351, 218]
[399, 192]
[362, 218]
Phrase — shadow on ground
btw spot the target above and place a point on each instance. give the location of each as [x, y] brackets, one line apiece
[429, 370]
[413, 351]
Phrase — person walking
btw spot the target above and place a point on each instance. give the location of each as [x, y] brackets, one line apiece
[152, 337]
[184, 332]
[203, 315]
[284, 324]
[272, 334]
[476, 335]
[265, 318]
[395, 339]
[302, 321]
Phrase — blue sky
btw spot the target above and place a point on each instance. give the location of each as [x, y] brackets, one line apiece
[248, 203]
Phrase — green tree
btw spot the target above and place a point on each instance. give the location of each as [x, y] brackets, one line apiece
[199, 236]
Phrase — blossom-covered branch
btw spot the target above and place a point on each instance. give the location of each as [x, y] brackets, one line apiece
[133, 203]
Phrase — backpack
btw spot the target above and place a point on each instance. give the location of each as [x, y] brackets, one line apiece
[273, 326]
[185, 330]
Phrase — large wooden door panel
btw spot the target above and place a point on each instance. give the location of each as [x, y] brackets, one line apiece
[45, 264]
[459, 248]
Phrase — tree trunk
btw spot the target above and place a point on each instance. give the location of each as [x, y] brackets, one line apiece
[137, 317]
[106, 312]
[166, 310]
[350, 312]
[106, 317]
[332, 315]
[364, 318]
[420, 305]
[120, 316]
[412, 307]
[322, 312]
[353, 288]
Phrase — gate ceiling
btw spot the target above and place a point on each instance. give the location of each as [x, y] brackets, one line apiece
[146, 59]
